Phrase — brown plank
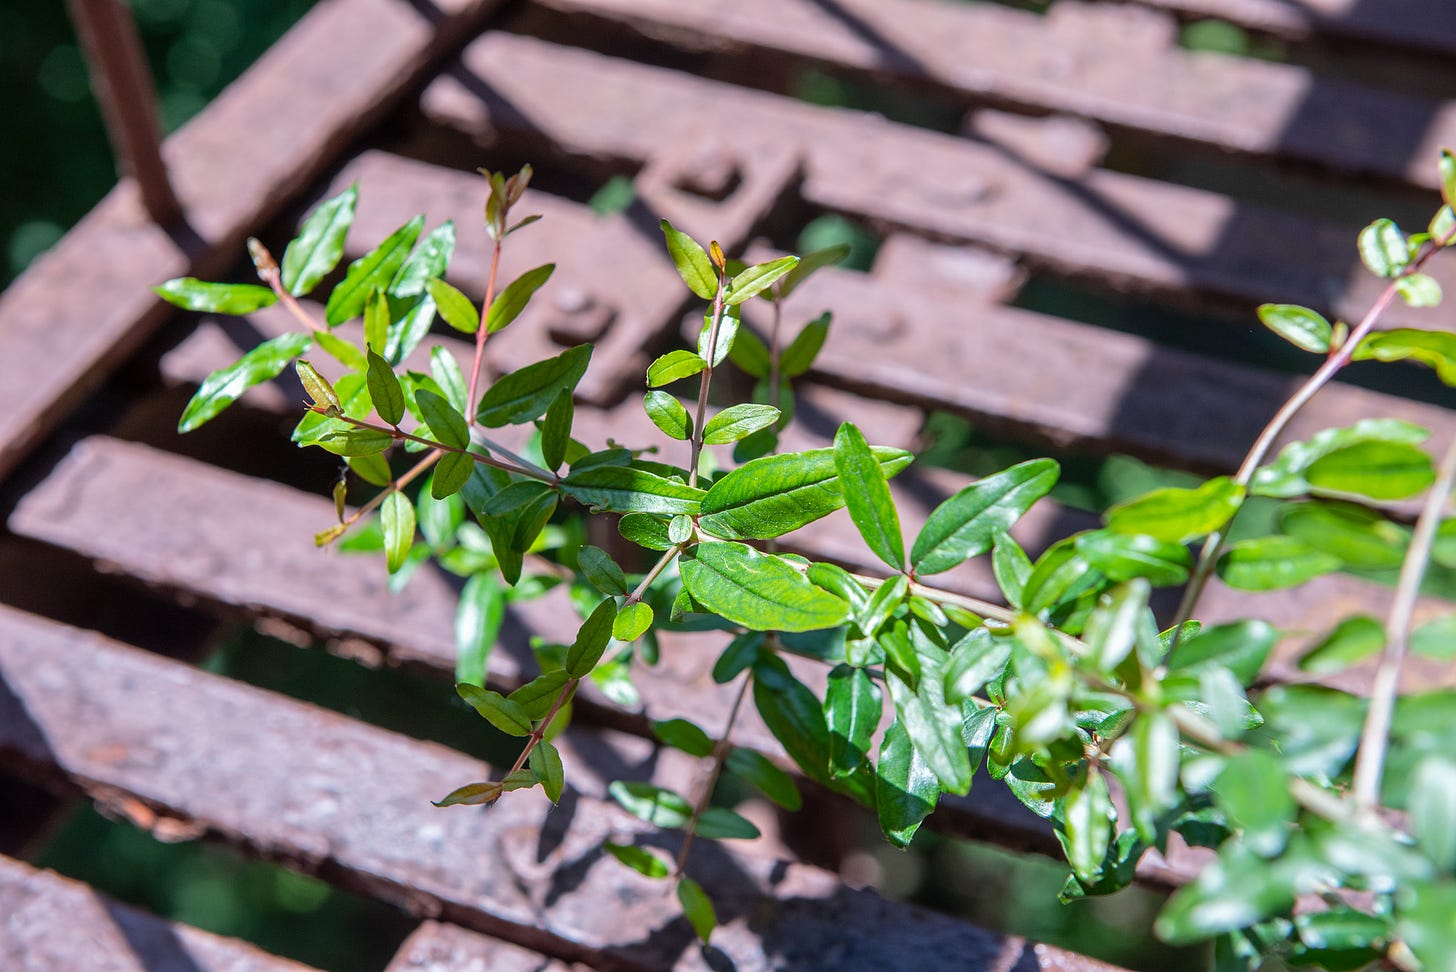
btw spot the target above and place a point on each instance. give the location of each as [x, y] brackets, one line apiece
[355, 799]
[49, 922]
[81, 308]
[438, 947]
[1116, 64]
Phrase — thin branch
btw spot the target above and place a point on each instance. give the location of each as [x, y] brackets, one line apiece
[539, 732]
[481, 333]
[1370, 758]
[270, 274]
[527, 469]
[721, 748]
[707, 379]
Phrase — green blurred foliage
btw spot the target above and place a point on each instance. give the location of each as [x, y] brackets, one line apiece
[57, 162]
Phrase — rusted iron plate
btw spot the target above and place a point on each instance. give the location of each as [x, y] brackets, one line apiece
[50, 923]
[438, 947]
[1115, 63]
[1417, 24]
[356, 800]
[1121, 230]
[83, 307]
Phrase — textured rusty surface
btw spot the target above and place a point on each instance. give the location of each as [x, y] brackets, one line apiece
[1407, 24]
[49, 923]
[356, 799]
[84, 306]
[1117, 64]
[439, 947]
[1121, 230]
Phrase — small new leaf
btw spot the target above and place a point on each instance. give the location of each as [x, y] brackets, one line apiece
[317, 386]
[692, 262]
[1300, 326]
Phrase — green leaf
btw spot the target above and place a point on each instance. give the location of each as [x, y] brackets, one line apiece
[526, 393]
[538, 696]
[1124, 556]
[759, 591]
[509, 303]
[728, 324]
[741, 652]
[645, 531]
[1113, 629]
[591, 640]
[799, 356]
[1300, 326]
[697, 906]
[975, 660]
[556, 430]
[1383, 249]
[774, 495]
[499, 711]
[1360, 537]
[1437, 349]
[320, 243]
[477, 623]
[1285, 477]
[412, 320]
[1419, 290]
[1341, 930]
[793, 715]
[852, 711]
[1236, 890]
[372, 469]
[1353, 640]
[1273, 563]
[397, 518]
[640, 859]
[221, 388]
[472, 794]
[1146, 759]
[867, 495]
[624, 489]
[735, 422]
[1088, 819]
[657, 805]
[935, 729]
[384, 390]
[545, 761]
[373, 270]
[426, 263]
[601, 570]
[758, 278]
[1012, 568]
[750, 354]
[668, 414]
[1253, 792]
[906, 788]
[447, 374]
[317, 386]
[760, 771]
[452, 472]
[1433, 809]
[192, 294]
[1241, 647]
[720, 823]
[1178, 515]
[676, 364]
[1436, 638]
[1378, 470]
[1060, 575]
[376, 321]
[692, 262]
[684, 735]
[966, 524]
[809, 262]
[457, 309]
[353, 443]
[632, 622]
[446, 424]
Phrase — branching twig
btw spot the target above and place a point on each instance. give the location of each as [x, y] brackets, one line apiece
[521, 467]
[270, 274]
[721, 748]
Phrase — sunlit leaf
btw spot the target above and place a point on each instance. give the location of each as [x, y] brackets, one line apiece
[966, 524]
[221, 388]
[320, 243]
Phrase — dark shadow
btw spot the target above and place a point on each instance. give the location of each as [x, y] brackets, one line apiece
[155, 943]
[892, 57]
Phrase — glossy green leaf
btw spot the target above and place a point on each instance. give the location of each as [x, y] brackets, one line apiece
[867, 496]
[591, 640]
[1383, 249]
[793, 715]
[967, 524]
[1242, 647]
[351, 442]
[1060, 575]
[680, 528]
[799, 356]
[457, 309]
[1300, 326]
[760, 771]
[446, 424]
[974, 660]
[545, 762]
[373, 270]
[1012, 568]
[601, 570]
[741, 652]
[810, 262]
[906, 788]
[192, 294]
[452, 472]
[1341, 930]
[221, 388]
[1178, 515]
[1236, 890]
[1436, 638]
[384, 390]
[1273, 563]
[852, 711]
[478, 620]
[1433, 809]
[320, 243]
[372, 469]
[720, 823]
[410, 322]
[539, 696]
[376, 322]
[1088, 820]
[645, 531]
[692, 262]
[1419, 290]
[674, 365]
[317, 386]
[1359, 536]
[1124, 556]
[632, 622]
[668, 414]
[625, 489]
[684, 735]
[445, 370]
[509, 303]
[1285, 476]
[1436, 349]
[1253, 793]
[643, 860]
[428, 262]
[736, 422]
[556, 429]
[1352, 641]
[697, 907]
[657, 805]
[758, 278]
[1146, 760]
[1443, 226]
[499, 711]
[759, 591]
[935, 730]
[1116, 624]
[397, 518]
[525, 394]
[729, 322]
[1378, 470]
[775, 495]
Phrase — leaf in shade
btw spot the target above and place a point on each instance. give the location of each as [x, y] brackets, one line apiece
[372, 469]
[320, 243]
[397, 518]
[852, 709]
[1300, 326]
[692, 262]
[720, 823]
[556, 430]
[1273, 563]
[192, 294]
[509, 303]
[741, 652]
[1178, 515]
[799, 356]
[674, 365]
[538, 696]
[758, 278]
[452, 472]
[499, 711]
[697, 907]
[457, 309]
[1088, 820]
[760, 771]
[759, 591]
[221, 388]
[1060, 575]
[472, 795]
[1352, 641]
[750, 353]
[1359, 536]
[374, 269]
[477, 623]
[684, 735]
[601, 570]
[810, 262]
[624, 489]
[526, 393]
[967, 524]
[906, 789]
[384, 390]
[591, 640]
[867, 495]
[734, 423]
[447, 425]
[1383, 248]
[976, 659]
[668, 414]
[1241, 647]
[632, 622]
[643, 860]
[1377, 470]
[545, 762]
[794, 715]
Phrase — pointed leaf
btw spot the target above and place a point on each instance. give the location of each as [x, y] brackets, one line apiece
[457, 309]
[936, 732]
[601, 570]
[317, 386]
[499, 711]
[509, 303]
[446, 424]
[657, 805]
[1088, 819]
[384, 390]
[735, 422]
[1178, 515]
[525, 394]
[221, 388]
[1353, 640]
[428, 262]
[373, 270]
[1124, 556]
[966, 524]
[591, 640]
[692, 262]
[624, 489]
[906, 789]
[684, 735]
[697, 907]
[640, 859]
[556, 429]
[852, 710]
[760, 771]
[668, 414]
[472, 795]
[477, 623]
[192, 294]
[758, 278]
[759, 591]
[867, 495]
[320, 243]
[799, 356]
[397, 518]
[545, 761]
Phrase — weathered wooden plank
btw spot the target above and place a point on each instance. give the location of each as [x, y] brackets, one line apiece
[438, 947]
[355, 799]
[1123, 231]
[1117, 64]
[84, 306]
[49, 923]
